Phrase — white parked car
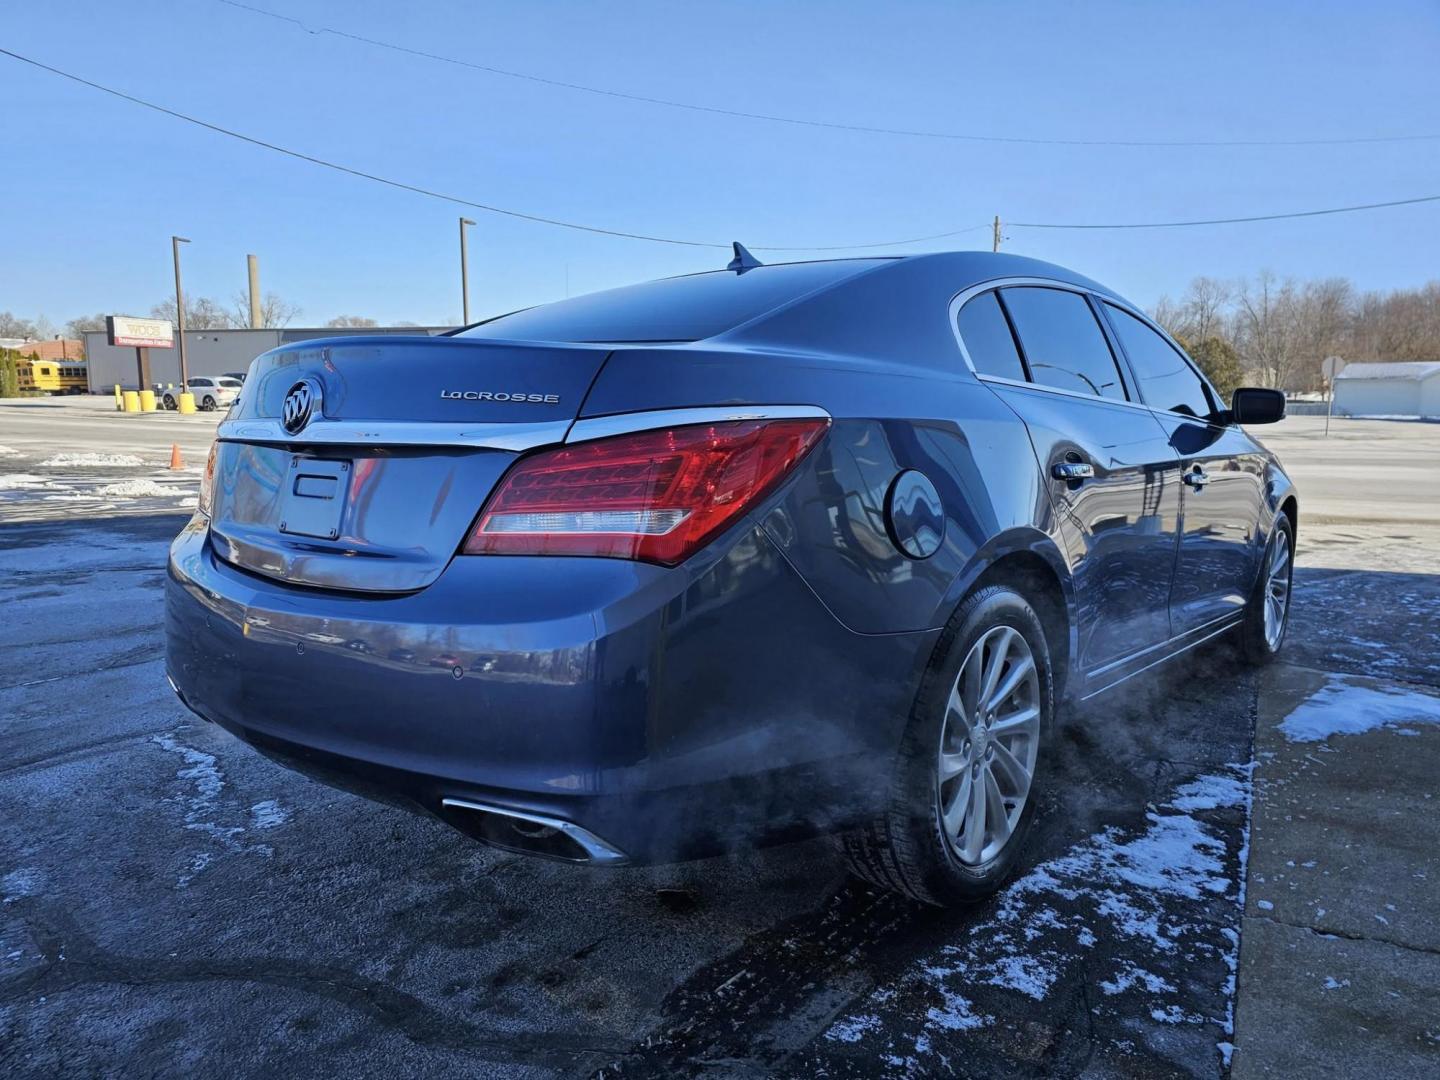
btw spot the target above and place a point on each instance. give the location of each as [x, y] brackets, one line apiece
[211, 392]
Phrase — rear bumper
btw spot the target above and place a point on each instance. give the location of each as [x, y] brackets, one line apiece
[668, 713]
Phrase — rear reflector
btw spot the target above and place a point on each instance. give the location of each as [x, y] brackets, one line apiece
[656, 496]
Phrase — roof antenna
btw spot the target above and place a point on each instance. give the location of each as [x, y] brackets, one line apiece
[743, 260]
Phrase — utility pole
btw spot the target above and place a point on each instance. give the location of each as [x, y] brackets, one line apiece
[175, 242]
[464, 273]
[252, 264]
[995, 235]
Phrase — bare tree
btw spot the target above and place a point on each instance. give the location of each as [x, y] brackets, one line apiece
[1402, 325]
[1200, 314]
[274, 312]
[201, 313]
[352, 320]
[1170, 315]
[1266, 328]
[77, 328]
[12, 326]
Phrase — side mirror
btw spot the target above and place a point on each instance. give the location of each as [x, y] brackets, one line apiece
[1257, 405]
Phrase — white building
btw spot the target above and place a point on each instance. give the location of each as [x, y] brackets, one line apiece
[1389, 389]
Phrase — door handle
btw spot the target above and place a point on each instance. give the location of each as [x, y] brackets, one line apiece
[1197, 478]
[1072, 470]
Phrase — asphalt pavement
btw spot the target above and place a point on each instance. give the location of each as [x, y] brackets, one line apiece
[1231, 872]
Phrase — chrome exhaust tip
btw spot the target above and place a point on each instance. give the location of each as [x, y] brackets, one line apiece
[532, 834]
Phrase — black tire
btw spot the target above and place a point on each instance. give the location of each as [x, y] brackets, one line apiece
[208, 404]
[1255, 647]
[168, 402]
[905, 848]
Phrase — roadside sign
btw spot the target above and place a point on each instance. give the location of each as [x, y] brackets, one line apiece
[140, 333]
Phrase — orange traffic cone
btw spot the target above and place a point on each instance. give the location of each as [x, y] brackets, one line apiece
[176, 461]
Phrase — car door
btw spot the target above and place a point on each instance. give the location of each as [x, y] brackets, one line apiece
[1112, 474]
[1222, 472]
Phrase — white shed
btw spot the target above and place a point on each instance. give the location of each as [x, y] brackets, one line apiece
[1389, 389]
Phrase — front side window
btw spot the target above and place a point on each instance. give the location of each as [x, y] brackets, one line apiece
[1064, 345]
[988, 341]
[1166, 380]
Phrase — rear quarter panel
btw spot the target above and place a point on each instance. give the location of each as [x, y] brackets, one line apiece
[889, 416]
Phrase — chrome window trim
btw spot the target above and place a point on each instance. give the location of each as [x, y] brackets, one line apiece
[601, 427]
[322, 432]
[963, 297]
[1044, 389]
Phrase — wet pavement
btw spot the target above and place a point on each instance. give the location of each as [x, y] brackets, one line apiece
[172, 901]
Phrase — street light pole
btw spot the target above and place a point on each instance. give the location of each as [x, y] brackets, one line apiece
[187, 399]
[464, 273]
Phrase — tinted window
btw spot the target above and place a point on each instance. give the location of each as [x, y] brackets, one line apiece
[1166, 380]
[199, 382]
[988, 339]
[229, 382]
[1063, 343]
[676, 309]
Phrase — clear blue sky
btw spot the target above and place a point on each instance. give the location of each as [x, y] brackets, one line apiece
[93, 187]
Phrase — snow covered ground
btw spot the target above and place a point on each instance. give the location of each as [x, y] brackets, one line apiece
[61, 458]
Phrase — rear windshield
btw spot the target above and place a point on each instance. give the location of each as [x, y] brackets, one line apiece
[675, 309]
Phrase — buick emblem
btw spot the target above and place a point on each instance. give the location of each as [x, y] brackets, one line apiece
[301, 403]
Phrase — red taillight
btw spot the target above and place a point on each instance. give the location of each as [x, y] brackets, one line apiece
[657, 496]
[207, 482]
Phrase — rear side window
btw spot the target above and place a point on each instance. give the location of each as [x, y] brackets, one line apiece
[1064, 345]
[988, 340]
[1166, 380]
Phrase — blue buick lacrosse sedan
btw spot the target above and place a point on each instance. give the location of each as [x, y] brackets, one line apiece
[728, 558]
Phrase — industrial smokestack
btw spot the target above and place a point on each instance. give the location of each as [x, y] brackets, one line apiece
[254, 267]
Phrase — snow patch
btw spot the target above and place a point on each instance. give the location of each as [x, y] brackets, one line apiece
[23, 482]
[1345, 708]
[91, 461]
[1209, 793]
[1130, 976]
[268, 814]
[853, 1029]
[6, 451]
[135, 489]
[203, 774]
[27, 881]
[956, 1014]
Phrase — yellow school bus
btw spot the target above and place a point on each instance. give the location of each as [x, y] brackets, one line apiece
[52, 376]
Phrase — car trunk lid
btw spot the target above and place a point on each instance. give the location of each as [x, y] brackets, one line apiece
[392, 447]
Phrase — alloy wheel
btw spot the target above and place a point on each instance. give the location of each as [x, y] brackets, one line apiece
[1277, 589]
[989, 742]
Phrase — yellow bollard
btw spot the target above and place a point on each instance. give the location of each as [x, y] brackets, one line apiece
[119, 403]
[132, 401]
[187, 402]
[147, 400]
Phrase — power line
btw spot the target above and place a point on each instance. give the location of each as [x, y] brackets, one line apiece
[560, 223]
[775, 118]
[488, 208]
[1226, 221]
